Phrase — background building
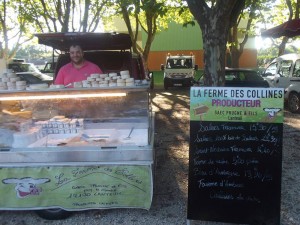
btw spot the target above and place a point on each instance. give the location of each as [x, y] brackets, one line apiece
[185, 40]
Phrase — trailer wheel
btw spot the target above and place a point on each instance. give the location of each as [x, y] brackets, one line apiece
[53, 214]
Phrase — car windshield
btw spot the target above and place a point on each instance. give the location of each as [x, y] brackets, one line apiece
[28, 68]
[285, 68]
[24, 67]
[242, 76]
[179, 63]
[272, 68]
[30, 79]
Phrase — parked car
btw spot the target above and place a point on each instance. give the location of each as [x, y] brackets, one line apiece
[49, 68]
[292, 97]
[110, 51]
[283, 70]
[179, 70]
[239, 77]
[28, 72]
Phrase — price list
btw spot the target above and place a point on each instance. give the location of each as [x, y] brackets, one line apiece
[235, 172]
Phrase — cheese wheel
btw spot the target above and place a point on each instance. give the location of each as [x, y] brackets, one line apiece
[38, 86]
[53, 86]
[124, 72]
[78, 84]
[129, 80]
[21, 87]
[125, 76]
[120, 81]
[95, 75]
[112, 84]
[112, 74]
[121, 84]
[21, 82]
[95, 84]
[103, 75]
[129, 83]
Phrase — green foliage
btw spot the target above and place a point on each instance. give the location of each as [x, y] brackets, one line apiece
[22, 18]
[266, 55]
[33, 52]
[277, 14]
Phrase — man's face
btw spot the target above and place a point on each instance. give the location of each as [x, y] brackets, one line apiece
[76, 54]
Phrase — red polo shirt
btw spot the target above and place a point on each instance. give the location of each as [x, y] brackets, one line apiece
[69, 74]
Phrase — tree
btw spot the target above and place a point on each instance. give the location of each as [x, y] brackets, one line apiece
[67, 15]
[291, 15]
[145, 14]
[281, 12]
[152, 16]
[13, 28]
[20, 19]
[250, 15]
[215, 20]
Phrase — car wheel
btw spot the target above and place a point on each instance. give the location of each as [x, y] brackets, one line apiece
[294, 102]
[53, 214]
[152, 82]
[166, 86]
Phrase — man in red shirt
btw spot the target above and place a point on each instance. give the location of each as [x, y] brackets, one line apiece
[77, 70]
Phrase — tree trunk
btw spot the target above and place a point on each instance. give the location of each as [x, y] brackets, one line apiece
[215, 22]
[214, 46]
[234, 51]
[282, 46]
[147, 47]
[235, 57]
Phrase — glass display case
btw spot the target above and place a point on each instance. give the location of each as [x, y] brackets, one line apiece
[68, 138]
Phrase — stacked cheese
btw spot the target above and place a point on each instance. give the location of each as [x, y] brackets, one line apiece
[112, 79]
[60, 125]
[10, 81]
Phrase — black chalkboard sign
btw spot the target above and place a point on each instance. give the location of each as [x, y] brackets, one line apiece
[235, 172]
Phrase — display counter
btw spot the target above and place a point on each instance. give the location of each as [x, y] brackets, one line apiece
[76, 149]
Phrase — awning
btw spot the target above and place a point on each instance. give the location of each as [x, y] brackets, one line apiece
[290, 29]
[88, 41]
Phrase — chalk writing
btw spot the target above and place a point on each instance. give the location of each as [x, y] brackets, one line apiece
[235, 155]
[231, 161]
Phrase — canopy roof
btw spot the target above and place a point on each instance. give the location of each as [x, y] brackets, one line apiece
[290, 28]
[88, 41]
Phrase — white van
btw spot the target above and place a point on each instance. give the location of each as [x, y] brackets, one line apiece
[179, 70]
[284, 72]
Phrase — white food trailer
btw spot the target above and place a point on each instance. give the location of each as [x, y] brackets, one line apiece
[70, 149]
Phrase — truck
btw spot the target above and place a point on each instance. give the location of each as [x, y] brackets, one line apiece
[179, 70]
